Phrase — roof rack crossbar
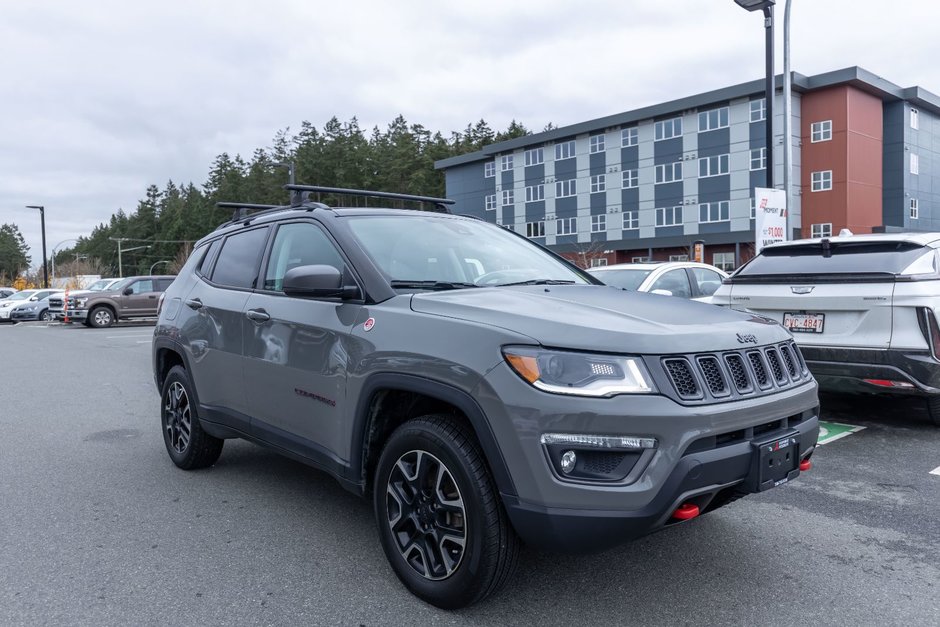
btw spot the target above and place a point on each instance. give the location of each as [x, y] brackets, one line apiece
[441, 203]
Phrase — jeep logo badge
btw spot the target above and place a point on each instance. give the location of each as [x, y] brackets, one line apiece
[801, 289]
[747, 338]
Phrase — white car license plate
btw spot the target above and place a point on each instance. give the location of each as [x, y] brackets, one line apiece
[804, 322]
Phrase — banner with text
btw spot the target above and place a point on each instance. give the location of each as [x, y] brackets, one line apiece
[770, 217]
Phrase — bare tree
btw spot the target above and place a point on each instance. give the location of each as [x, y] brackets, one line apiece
[587, 252]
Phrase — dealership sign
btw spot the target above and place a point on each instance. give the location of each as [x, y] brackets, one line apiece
[770, 217]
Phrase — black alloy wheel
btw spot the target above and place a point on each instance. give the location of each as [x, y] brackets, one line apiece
[188, 445]
[442, 525]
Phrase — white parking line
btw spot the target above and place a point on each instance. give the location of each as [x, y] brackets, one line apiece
[127, 335]
[935, 471]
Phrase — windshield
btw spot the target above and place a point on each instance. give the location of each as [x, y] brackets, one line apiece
[99, 285]
[120, 285]
[452, 253]
[817, 258]
[624, 279]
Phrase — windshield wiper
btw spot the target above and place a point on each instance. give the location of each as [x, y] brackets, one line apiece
[538, 282]
[431, 285]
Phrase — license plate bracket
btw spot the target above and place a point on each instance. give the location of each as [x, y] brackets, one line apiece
[802, 322]
[775, 461]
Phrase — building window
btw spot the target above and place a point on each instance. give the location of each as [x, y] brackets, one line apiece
[598, 183]
[711, 120]
[629, 137]
[566, 226]
[490, 202]
[668, 216]
[712, 166]
[534, 156]
[915, 164]
[534, 193]
[915, 212]
[564, 150]
[821, 230]
[631, 220]
[669, 172]
[915, 123]
[597, 143]
[821, 181]
[678, 257]
[758, 159]
[668, 129]
[505, 163]
[723, 261]
[639, 260]
[601, 261]
[509, 197]
[598, 223]
[758, 109]
[630, 178]
[535, 229]
[714, 211]
[821, 131]
[489, 169]
[563, 189]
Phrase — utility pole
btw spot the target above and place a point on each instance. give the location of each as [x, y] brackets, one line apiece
[45, 264]
[120, 264]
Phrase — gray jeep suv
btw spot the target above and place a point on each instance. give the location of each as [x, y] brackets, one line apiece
[480, 389]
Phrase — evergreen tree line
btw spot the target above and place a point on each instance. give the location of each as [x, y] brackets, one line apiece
[14, 254]
[399, 159]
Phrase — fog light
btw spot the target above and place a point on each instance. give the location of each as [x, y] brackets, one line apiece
[568, 460]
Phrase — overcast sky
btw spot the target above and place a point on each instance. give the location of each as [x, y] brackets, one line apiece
[102, 98]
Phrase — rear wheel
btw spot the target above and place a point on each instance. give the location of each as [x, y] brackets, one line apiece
[442, 526]
[933, 409]
[188, 445]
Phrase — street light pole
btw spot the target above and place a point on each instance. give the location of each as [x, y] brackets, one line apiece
[45, 265]
[767, 6]
[54, 248]
[157, 263]
[787, 120]
[290, 169]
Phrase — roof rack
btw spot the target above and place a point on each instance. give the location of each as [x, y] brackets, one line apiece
[298, 197]
[241, 208]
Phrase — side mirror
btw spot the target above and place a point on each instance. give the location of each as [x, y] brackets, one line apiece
[33, 299]
[317, 282]
[662, 292]
[128, 291]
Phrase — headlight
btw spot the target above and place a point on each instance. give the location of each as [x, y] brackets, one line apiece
[80, 302]
[580, 374]
[5, 305]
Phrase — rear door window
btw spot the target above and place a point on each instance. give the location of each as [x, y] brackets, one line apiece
[675, 281]
[239, 258]
[706, 281]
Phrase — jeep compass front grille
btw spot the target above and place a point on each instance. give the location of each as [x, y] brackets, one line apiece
[736, 374]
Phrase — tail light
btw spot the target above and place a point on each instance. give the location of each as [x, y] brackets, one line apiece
[160, 303]
[929, 327]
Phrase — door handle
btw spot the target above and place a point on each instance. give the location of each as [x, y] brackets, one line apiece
[194, 303]
[257, 315]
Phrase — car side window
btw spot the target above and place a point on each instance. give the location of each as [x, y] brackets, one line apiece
[239, 258]
[299, 244]
[675, 281]
[161, 285]
[708, 281]
[142, 286]
[209, 254]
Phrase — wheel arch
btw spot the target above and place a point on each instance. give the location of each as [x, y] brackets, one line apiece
[416, 396]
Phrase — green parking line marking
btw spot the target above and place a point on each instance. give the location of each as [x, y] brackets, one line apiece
[832, 431]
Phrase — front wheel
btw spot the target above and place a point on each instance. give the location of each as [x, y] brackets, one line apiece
[46, 316]
[101, 317]
[189, 446]
[442, 526]
[933, 409]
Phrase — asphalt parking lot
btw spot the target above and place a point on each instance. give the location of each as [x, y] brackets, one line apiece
[97, 527]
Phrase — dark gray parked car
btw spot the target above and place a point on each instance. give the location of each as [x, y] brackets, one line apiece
[480, 389]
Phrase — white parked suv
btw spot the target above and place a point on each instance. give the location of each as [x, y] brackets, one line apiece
[863, 308]
[685, 279]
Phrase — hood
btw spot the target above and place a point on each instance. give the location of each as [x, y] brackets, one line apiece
[76, 293]
[606, 319]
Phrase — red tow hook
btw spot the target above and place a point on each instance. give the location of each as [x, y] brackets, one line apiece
[686, 511]
[805, 465]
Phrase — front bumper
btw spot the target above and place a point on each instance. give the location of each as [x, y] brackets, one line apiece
[5, 314]
[24, 316]
[705, 478]
[77, 314]
[845, 370]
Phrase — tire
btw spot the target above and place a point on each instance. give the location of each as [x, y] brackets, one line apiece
[443, 569]
[100, 317]
[187, 444]
[933, 409]
[46, 316]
